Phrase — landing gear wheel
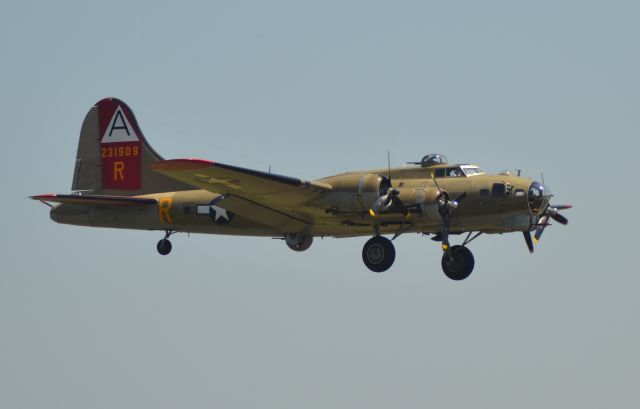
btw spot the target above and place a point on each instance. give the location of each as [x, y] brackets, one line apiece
[298, 241]
[378, 254]
[164, 247]
[457, 262]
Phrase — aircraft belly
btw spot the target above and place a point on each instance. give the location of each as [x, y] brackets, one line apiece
[151, 219]
[201, 211]
[253, 230]
[70, 214]
[502, 223]
[141, 218]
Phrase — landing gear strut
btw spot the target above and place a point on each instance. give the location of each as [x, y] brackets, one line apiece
[164, 245]
[378, 254]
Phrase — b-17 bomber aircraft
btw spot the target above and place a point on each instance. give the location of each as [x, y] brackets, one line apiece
[120, 181]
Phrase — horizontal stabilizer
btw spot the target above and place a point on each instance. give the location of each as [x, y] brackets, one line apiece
[96, 200]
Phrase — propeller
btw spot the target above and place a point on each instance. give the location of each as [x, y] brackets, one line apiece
[389, 201]
[552, 212]
[445, 208]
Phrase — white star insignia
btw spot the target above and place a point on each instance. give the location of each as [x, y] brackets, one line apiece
[232, 183]
[220, 212]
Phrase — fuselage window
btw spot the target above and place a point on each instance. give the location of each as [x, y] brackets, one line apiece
[498, 190]
[440, 172]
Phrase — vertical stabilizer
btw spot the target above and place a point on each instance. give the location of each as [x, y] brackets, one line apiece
[114, 157]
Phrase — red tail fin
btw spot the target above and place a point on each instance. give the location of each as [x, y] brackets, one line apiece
[120, 146]
[114, 156]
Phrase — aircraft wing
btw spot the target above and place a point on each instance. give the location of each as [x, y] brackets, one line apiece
[96, 200]
[276, 192]
[258, 213]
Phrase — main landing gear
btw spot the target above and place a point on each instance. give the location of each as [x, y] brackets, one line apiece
[164, 245]
[457, 263]
[378, 254]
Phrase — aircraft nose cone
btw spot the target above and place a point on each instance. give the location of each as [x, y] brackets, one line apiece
[545, 189]
[539, 196]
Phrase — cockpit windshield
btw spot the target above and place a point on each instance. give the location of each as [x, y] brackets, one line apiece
[458, 171]
[471, 170]
[449, 172]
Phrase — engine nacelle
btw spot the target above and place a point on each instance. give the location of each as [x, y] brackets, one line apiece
[370, 188]
[364, 192]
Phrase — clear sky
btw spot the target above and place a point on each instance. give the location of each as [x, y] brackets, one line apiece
[94, 318]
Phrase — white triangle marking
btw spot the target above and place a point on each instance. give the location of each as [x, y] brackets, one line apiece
[119, 129]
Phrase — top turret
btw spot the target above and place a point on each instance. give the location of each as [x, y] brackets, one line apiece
[431, 159]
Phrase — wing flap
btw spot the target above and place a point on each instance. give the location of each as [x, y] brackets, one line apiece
[96, 200]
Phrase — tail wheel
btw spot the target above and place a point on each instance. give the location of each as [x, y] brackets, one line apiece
[457, 263]
[164, 247]
[378, 254]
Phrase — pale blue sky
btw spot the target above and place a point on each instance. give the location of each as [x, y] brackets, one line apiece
[95, 318]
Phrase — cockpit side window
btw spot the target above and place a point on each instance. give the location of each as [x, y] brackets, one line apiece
[449, 172]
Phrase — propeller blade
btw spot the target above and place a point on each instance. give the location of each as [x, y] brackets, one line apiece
[397, 204]
[446, 223]
[445, 208]
[559, 218]
[461, 197]
[540, 229]
[527, 239]
[437, 184]
[561, 207]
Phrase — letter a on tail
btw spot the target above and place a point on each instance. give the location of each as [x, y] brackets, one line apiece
[120, 147]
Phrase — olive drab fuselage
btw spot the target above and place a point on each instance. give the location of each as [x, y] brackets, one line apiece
[120, 181]
[494, 204]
